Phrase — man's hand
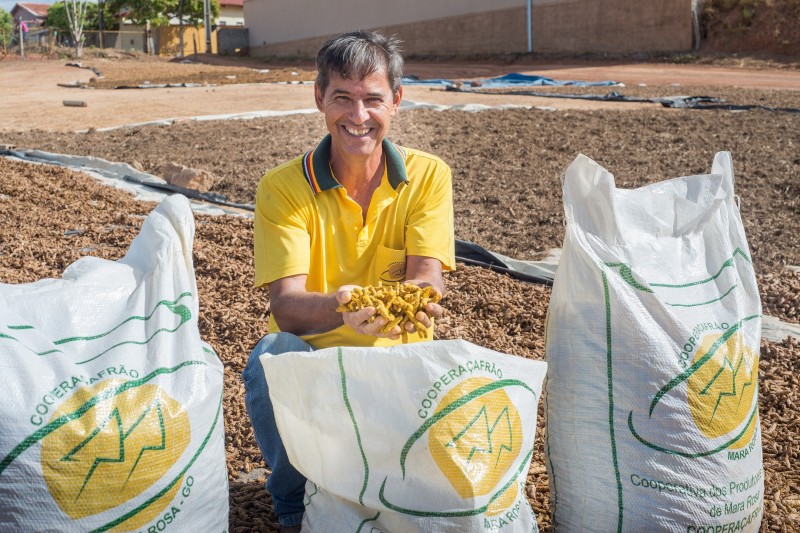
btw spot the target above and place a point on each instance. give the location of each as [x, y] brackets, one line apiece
[359, 322]
[432, 310]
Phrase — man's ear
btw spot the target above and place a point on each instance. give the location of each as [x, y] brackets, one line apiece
[318, 96]
[397, 98]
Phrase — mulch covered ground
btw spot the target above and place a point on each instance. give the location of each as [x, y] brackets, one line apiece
[506, 167]
[136, 70]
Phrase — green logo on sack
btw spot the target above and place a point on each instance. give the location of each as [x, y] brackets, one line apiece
[115, 450]
[476, 443]
[720, 383]
[474, 435]
[721, 386]
[113, 442]
[722, 390]
[98, 344]
[475, 438]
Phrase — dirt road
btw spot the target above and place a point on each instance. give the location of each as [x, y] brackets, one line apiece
[30, 97]
[630, 74]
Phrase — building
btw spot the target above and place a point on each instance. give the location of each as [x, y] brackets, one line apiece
[32, 15]
[475, 27]
[231, 13]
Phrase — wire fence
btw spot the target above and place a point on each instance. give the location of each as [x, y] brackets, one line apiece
[165, 40]
[47, 40]
[36, 40]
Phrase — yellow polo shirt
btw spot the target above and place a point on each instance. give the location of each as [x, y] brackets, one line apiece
[306, 224]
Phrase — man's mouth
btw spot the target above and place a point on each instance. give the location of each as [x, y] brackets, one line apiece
[357, 132]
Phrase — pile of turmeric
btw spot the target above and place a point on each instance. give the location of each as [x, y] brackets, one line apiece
[398, 303]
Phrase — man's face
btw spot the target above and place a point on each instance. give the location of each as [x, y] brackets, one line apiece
[358, 113]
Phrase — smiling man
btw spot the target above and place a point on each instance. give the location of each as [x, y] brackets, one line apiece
[354, 211]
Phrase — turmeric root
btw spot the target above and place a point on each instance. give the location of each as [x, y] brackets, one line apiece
[397, 303]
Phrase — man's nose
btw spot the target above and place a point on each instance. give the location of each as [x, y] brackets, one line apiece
[358, 113]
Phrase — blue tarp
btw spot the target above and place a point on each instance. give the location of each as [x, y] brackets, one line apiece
[508, 80]
[523, 80]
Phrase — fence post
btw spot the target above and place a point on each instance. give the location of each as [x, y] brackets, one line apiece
[101, 6]
[21, 39]
[207, 23]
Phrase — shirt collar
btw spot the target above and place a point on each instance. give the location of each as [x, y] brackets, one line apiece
[317, 168]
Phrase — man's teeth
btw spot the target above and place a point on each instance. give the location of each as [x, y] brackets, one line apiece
[357, 132]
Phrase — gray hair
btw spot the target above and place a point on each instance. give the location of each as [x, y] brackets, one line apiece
[358, 54]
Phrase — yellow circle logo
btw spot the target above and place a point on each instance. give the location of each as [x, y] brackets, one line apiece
[476, 443]
[722, 390]
[114, 449]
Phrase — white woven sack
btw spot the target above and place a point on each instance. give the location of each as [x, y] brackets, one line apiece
[653, 344]
[111, 411]
[434, 436]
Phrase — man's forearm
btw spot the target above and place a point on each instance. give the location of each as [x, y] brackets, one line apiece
[425, 271]
[306, 313]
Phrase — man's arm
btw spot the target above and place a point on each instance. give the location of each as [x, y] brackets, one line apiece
[301, 312]
[424, 271]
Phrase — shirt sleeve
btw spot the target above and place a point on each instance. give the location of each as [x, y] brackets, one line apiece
[429, 230]
[281, 234]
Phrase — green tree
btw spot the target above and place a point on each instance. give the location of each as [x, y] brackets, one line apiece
[6, 27]
[57, 17]
[72, 16]
[160, 12]
[193, 11]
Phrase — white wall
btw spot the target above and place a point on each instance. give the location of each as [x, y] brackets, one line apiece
[277, 21]
[230, 16]
[296, 28]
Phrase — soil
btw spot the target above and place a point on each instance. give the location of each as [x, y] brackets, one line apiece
[763, 27]
[528, 148]
[506, 166]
